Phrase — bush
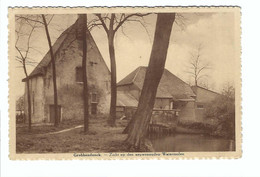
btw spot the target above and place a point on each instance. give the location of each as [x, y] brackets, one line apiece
[223, 109]
[198, 126]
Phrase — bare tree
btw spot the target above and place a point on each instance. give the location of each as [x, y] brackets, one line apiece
[141, 119]
[56, 121]
[23, 58]
[35, 19]
[111, 23]
[197, 66]
[228, 90]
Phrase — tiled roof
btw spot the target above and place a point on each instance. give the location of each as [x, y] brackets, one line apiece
[125, 99]
[170, 86]
[39, 69]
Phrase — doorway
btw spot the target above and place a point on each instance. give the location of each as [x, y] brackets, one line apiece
[52, 118]
[93, 108]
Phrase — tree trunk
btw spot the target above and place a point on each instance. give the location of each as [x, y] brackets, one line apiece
[83, 26]
[56, 121]
[112, 116]
[153, 75]
[28, 99]
[29, 106]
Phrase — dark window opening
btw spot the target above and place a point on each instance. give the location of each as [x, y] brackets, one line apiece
[52, 112]
[79, 74]
[93, 98]
[174, 105]
[200, 106]
[92, 63]
[93, 108]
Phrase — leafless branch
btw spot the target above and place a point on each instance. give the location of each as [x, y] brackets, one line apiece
[29, 19]
[180, 21]
[123, 19]
[197, 66]
[102, 22]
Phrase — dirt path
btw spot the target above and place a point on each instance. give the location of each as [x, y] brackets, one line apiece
[62, 131]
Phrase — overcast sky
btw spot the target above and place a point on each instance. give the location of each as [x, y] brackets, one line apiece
[215, 32]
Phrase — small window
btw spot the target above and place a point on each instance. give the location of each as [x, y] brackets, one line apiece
[93, 98]
[200, 106]
[93, 108]
[79, 74]
[92, 63]
[173, 105]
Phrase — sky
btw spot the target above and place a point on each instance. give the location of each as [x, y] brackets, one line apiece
[133, 43]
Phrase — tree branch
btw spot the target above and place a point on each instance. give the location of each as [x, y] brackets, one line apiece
[127, 17]
[102, 22]
[28, 19]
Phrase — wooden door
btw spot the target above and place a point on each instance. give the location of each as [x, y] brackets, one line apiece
[52, 119]
[93, 108]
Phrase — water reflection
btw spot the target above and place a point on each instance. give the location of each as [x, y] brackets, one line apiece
[191, 143]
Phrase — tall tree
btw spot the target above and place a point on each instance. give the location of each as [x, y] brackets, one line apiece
[111, 23]
[23, 51]
[197, 66]
[83, 30]
[56, 121]
[141, 119]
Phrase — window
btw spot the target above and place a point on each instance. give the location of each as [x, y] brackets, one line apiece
[93, 98]
[93, 108]
[79, 74]
[174, 105]
[200, 106]
[92, 63]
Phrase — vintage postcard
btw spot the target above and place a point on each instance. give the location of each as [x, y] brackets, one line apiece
[124, 83]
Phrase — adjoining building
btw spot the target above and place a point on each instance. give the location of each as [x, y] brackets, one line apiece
[187, 102]
[172, 94]
[68, 60]
[203, 98]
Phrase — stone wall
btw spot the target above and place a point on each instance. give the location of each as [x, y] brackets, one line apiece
[187, 112]
[68, 58]
[203, 98]
[37, 97]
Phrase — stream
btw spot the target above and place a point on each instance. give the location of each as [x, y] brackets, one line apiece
[191, 143]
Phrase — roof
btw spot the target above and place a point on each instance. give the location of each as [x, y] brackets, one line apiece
[170, 86]
[194, 87]
[39, 69]
[126, 99]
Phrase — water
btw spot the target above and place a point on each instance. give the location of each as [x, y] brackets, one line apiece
[191, 143]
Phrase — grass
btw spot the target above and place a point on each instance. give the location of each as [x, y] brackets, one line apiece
[101, 138]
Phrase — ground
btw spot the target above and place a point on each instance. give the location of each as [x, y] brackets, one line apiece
[47, 138]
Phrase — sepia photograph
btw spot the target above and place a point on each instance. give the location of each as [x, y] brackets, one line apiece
[124, 83]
